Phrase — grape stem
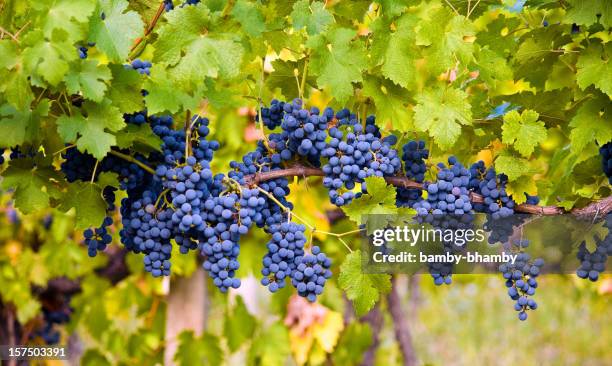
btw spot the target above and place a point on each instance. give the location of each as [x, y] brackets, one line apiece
[132, 159]
[601, 207]
[149, 29]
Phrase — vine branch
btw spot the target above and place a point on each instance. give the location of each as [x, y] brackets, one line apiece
[601, 207]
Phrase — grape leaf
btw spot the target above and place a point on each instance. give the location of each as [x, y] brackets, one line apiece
[591, 123]
[141, 137]
[441, 112]
[512, 166]
[377, 201]
[16, 87]
[239, 325]
[339, 61]
[250, 17]
[594, 69]
[204, 350]
[89, 78]
[354, 341]
[312, 16]
[33, 184]
[48, 58]
[92, 132]
[524, 131]
[586, 12]
[88, 202]
[162, 93]
[69, 16]
[448, 37]
[393, 8]
[396, 51]
[390, 100]
[363, 290]
[124, 83]
[13, 125]
[114, 30]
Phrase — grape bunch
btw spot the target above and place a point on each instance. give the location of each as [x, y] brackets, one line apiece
[352, 157]
[143, 67]
[98, 239]
[593, 264]
[311, 273]
[228, 216]
[49, 334]
[284, 248]
[521, 282]
[492, 187]
[272, 116]
[606, 160]
[414, 156]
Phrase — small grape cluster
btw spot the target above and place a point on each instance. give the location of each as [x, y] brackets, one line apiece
[593, 264]
[284, 248]
[272, 116]
[98, 239]
[492, 187]
[48, 333]
[143, 67]
[606, 160]
[414, 156]
[352, 157]
[521, 281]
[311, 273]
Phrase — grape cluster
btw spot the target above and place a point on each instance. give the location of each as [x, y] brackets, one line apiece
[352, 157]
[272, 116]
[414, 156]
[311, 273]
[98, 239]
[606, 160]
[592, 264]
[143, 67]
[521, 282]
[492, 187]
[48, 333]
[284, 248]
[229, 217]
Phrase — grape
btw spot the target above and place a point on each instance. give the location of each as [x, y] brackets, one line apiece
[168, 5]
[284, 248]
[82, 51]
[606, 160]
[143, 67]
[272, 116]
[593, 264]
[1, 156]
[311, 273]
[414, 155]
[521, 281]
[447, 206]
[97, 239]
[77, 165]
[354, 156]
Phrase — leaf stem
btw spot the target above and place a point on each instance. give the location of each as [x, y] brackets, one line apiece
[95, 169]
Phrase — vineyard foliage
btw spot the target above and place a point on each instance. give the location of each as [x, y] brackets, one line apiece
[523, 86]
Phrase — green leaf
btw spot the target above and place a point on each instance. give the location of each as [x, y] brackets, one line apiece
[393, 8]
[271, 347]
[353, 343]
[312, 16]
[69, 16]
[92, 132]
[163, 96]
[441, 112]
[338, 60]
[124, 83]
[595, 69]
[89, 78]
[88, 202]
[283, 77]
[377, 201]
[16, 86]
[139, 136]
[205, 350]
[524, 131]
[48, 58]
[13, 126]
[390, 99]
[33, 185]
[250, 17]
[396, 51]
[591, 123]
[364, 290]
[448, 37]
[117, 32]
[239, 325]
[512, 166]
[586, 12]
